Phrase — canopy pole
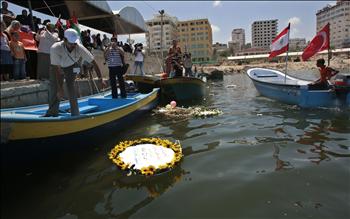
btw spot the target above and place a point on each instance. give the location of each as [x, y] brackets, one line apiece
[329, 48]
[31, 15]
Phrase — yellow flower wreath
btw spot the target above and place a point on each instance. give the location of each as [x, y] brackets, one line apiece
[150, 170]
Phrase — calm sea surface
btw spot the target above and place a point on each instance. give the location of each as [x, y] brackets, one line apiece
[260, 159]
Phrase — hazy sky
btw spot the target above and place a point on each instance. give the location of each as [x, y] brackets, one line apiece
[227, 15]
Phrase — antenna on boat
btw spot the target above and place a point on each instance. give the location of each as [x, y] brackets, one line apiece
[285, 73]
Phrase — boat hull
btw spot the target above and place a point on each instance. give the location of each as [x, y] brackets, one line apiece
[295, 91]
[19, 129]
[182, 89]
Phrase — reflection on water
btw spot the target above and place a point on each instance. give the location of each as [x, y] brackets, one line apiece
[259, 159]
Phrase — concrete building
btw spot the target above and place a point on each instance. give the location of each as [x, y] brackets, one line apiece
[297, 44]
[238, 36]
[195, 36]
[263, 32]
[338, 16]
[153, 36]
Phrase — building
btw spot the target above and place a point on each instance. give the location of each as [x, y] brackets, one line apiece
[263, 32]
[234, 47]
[297, 44]
[338, 16]
[153, 36]
[238, 36]
[219, 48]
[195, 36]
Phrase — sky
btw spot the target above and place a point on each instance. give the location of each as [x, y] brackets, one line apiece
[224, 16]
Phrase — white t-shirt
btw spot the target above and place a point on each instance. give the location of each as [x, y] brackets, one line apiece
[46, 40]
[59, 55]
[139, 57]
[4, 42]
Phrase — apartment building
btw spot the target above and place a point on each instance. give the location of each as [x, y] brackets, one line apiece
[195, 36]
[297, 44]
[263, 32]
[153, 36]
[338, 16]
[238, 37]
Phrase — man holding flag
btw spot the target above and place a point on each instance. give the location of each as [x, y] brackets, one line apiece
[319, 43]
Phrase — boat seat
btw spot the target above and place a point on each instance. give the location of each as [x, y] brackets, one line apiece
[266, 75]
[87, 108]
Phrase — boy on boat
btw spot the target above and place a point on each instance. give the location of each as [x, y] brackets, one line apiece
[326, 73]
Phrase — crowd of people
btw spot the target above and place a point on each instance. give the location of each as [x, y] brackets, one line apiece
[18, 62]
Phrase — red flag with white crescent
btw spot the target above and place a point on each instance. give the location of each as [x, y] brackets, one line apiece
[319, 43]
[280, 44]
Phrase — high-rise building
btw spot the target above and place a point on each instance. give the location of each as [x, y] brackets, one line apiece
[338, 16]
[297, 44]
[195, 36]
[263, 32]
[238, 36]
[153, 36]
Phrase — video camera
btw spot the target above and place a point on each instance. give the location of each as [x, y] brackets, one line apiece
[138, 46]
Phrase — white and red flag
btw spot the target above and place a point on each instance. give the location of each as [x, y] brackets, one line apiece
[319, 43]
[280, 44]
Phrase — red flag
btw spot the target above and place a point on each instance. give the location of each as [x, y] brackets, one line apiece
[280, 44]
[28, 40]
[74, 19]
[58, 23]
[67, 24]
[319, 43]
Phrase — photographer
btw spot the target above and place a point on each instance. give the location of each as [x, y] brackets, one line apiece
[139, 57]
[114, 56]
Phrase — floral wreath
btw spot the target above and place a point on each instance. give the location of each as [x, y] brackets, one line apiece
[114, 155]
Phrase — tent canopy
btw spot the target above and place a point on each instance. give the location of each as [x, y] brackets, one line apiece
[94, 14]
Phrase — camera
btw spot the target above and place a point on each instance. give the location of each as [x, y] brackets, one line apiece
[139, 47]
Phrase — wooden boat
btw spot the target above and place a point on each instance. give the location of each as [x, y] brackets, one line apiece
[275, 85]
[96, 112]
[182, 89]
[145, 84]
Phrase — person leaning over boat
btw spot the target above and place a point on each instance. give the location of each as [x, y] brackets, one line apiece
[326, 73]
[66, 57]
[114, 56]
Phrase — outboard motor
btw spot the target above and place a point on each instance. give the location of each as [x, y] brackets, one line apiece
[342, 87]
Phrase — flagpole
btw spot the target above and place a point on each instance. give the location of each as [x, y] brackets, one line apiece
[285, 73]
[329, 48]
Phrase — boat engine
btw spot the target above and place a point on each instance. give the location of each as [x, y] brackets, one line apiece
[342, 87]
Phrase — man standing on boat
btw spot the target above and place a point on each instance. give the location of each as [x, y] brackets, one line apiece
[173, 60]
[326, 73]
[114, 56]
[66, 57]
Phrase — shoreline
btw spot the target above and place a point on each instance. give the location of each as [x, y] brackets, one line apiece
[227, 67]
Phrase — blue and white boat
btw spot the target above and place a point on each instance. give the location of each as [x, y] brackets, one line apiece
[276, 85]
[97, 112]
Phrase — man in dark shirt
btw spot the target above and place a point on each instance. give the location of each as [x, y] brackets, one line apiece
[23, 18]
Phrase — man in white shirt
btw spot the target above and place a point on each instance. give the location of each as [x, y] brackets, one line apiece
[66, 57]
[46, 39]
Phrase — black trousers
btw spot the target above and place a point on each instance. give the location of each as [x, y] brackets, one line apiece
[113, 73]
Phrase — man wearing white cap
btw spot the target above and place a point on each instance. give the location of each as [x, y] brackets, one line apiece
[66, 57]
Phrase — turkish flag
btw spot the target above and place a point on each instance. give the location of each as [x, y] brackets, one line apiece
[319, 43]
[280, 44]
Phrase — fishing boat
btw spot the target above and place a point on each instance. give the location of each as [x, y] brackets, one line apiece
[276, 85]
[144, 83]
[183, 89]
[97, 112]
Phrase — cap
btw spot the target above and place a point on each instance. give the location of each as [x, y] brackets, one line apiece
[71, 35]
